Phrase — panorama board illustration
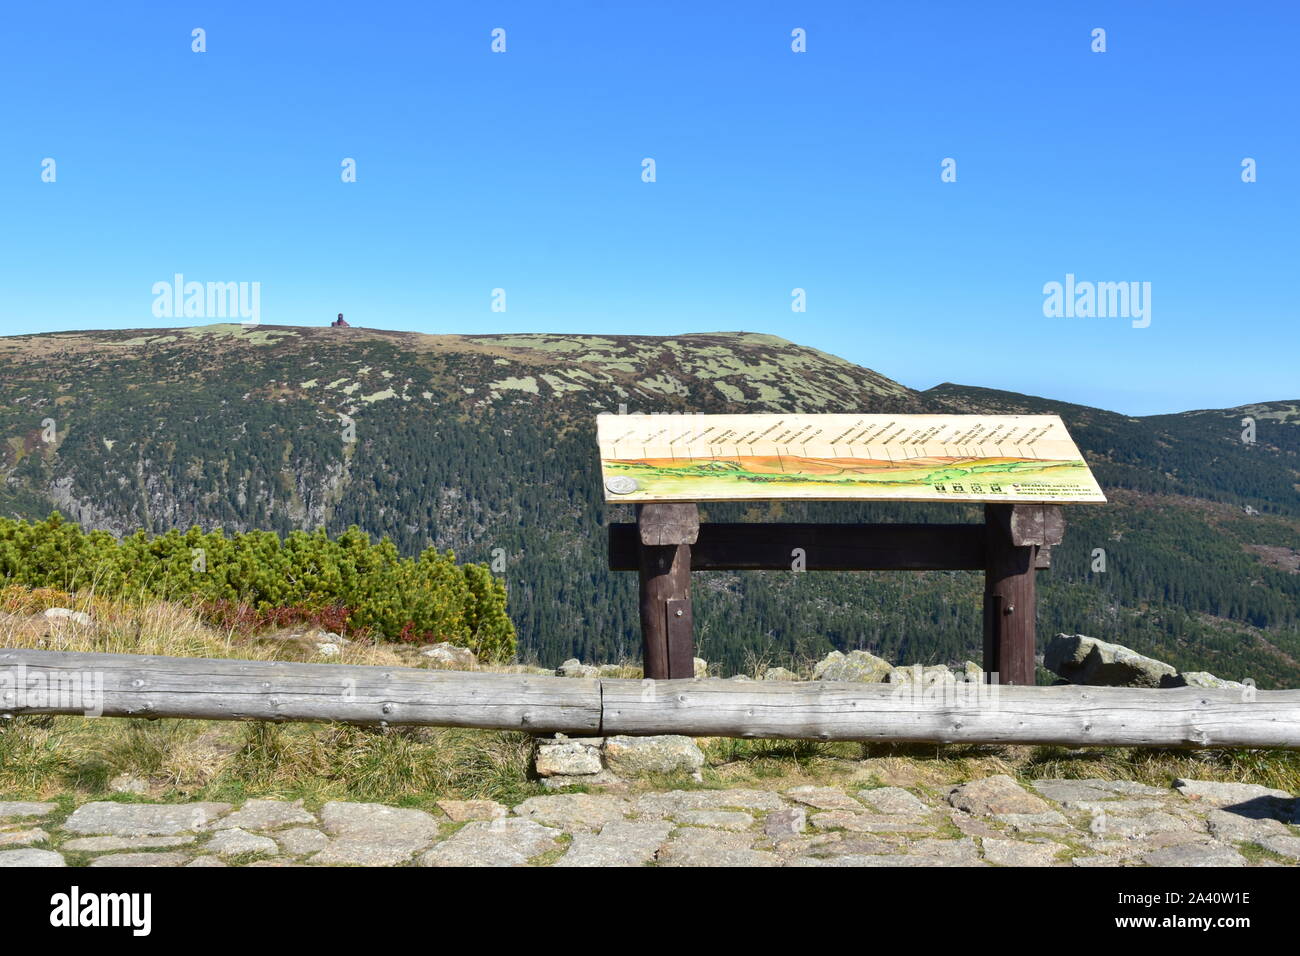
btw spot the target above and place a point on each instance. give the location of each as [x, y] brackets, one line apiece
[842, 457]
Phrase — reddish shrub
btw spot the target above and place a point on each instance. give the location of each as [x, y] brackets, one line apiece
[409, 635]
[243, 618]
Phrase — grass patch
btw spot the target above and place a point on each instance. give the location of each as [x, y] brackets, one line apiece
[552, 855]
[730, 760]
[1279, 769]
[73, 759]
[1254, 853]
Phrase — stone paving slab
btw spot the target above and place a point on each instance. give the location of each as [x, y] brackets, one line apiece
[461, 811]
[823, 798]
[894, 801]
[861, 822]
[1195, 854]
[1017, 853]
[371, 834]
[996, 795]
[619, 843]
[236, 842]
[298, 841]
[1032, 822]
[510, 842]
[722, 819]
[674, 801]
[788, 822]
[697, 847]
[10, 858]
[576, 811]
[1217, 794]
[1283, 845]
[13, 838]
[17, 809]
[992, 821]
[266, 815]
[102, 844]
[142, 819]
[140, 859]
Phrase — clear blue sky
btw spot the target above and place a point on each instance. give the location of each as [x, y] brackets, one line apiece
[775, 170]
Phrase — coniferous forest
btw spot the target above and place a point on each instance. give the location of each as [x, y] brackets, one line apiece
[484, 446]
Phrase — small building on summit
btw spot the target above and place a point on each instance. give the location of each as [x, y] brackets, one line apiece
[340, 323]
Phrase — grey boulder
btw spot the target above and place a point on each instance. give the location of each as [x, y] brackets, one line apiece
[1085, 660]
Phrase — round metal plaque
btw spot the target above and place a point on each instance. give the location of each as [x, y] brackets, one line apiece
[621, 485]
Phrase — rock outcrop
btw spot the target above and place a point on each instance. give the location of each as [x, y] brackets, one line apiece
[1086, 660]
[853, 666]
[575, 668]
[449, 656]
[603, 761]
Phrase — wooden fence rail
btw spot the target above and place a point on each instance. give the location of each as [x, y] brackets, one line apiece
[127, 685]
[134, 685]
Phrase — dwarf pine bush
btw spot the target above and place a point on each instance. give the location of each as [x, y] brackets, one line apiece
[369, 584]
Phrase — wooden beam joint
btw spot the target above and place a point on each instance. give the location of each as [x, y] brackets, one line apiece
[668, 523]
[665, 533]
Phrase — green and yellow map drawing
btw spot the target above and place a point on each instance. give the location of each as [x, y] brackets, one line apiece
[842, 457]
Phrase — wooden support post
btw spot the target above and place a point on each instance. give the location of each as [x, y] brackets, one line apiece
[666, 533]
[1019, 540]
[1009, 602]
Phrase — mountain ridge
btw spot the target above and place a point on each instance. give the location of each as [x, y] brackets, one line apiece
[485, 444]
[535, 342]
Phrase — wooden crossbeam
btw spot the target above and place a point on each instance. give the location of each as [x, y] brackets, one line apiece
[824, 547]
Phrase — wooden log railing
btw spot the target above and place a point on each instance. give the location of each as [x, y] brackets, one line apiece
[125, 685]
[131, 685]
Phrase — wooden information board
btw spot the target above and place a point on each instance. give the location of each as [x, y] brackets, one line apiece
[1022, 467]
[988, 458]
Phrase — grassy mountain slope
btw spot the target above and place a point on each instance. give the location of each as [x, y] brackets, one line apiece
[486, 444]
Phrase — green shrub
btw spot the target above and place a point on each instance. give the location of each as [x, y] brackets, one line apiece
[429, 598]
